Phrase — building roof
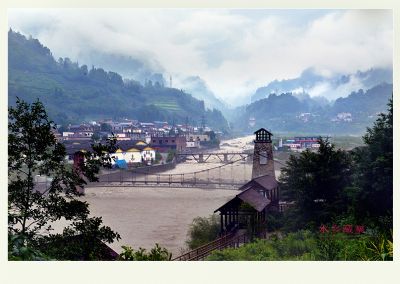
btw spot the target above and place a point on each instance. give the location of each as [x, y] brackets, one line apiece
[249, 196]
[125, 145]
[262, 129]
[254, 198]
[72, 147]
[266, 182]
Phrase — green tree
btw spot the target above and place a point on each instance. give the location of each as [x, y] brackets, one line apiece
[374, 173]
[203, 230]
[156, 254]
[317, 182]
[34, 151]
[171, 156]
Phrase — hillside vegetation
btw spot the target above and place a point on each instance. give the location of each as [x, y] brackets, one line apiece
[303, 114]
[72, 92]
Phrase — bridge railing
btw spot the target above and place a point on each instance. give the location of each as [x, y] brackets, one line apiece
[229, 240]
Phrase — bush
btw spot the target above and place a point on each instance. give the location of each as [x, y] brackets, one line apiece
[305, 245]
[171, 156]
[295, 246]
[156, 254]
[203, 230]
[274, 221]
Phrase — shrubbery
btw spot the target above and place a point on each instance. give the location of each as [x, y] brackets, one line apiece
[305, 245]
[156, 254]
[203, 230]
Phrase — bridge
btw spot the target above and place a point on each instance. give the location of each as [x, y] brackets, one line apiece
[230, 175]
[224, 157]
[225, 175]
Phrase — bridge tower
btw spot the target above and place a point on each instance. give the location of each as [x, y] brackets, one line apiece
[263, 160]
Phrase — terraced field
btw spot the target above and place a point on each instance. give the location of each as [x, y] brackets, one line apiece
[168, 105]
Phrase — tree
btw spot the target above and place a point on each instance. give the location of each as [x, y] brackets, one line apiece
[317, 182]
[105, 127]
[171, 156]
[203, 230]
[374, 173]
[33, 151]
[156, 254]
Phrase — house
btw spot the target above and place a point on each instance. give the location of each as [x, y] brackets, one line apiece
[198, 137]
[148, 155]
[166, 143]
[134, 152]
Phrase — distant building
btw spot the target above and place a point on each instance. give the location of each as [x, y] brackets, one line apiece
[342, 117]
[198, 137]
[165, 143]
[132, 152]
[301, 143]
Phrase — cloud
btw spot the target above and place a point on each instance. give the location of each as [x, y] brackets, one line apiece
[234, 51]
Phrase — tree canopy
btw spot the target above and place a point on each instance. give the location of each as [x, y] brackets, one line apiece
[317, 182]
[333, 184]
[34, 153]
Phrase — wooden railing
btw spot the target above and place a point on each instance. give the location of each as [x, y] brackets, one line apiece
[229, 240]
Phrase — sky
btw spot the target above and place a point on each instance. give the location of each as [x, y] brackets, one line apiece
[235, 51]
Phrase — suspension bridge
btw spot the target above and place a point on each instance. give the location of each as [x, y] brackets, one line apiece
[229, 173]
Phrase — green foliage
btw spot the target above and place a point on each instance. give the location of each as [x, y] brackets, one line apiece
[305, 245]
[380, 248]
[89, 94]
[280, 112]
[317, 183]
[274, 221]
[171, 155]
[374, 173]
[33, 150]
[158, 157]
[295, 246]
[156, 254]
[18, 250]
[203, 230]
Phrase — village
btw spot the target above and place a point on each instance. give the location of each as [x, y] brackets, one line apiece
[148, 143]
[138, 143]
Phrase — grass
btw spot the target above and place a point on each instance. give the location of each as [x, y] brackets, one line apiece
[171, 106]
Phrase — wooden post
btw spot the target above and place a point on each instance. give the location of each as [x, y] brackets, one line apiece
[226, 220]
[222, 223]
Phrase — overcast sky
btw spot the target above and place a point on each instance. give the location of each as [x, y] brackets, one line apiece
[234, 51]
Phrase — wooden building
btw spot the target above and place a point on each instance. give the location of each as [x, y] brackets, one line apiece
[258, 197]
[245, 210]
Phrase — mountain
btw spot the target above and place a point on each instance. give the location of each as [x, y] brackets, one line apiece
[140, 70]
[304, 114]
[73, 93]
[331, 87]
[143, 70]
[198, 88]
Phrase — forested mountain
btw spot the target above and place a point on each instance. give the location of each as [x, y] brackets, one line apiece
[331, 87]
[304, 114]
[72, 92]
[198, 88]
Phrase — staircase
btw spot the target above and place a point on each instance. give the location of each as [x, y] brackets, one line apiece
[230, 240]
